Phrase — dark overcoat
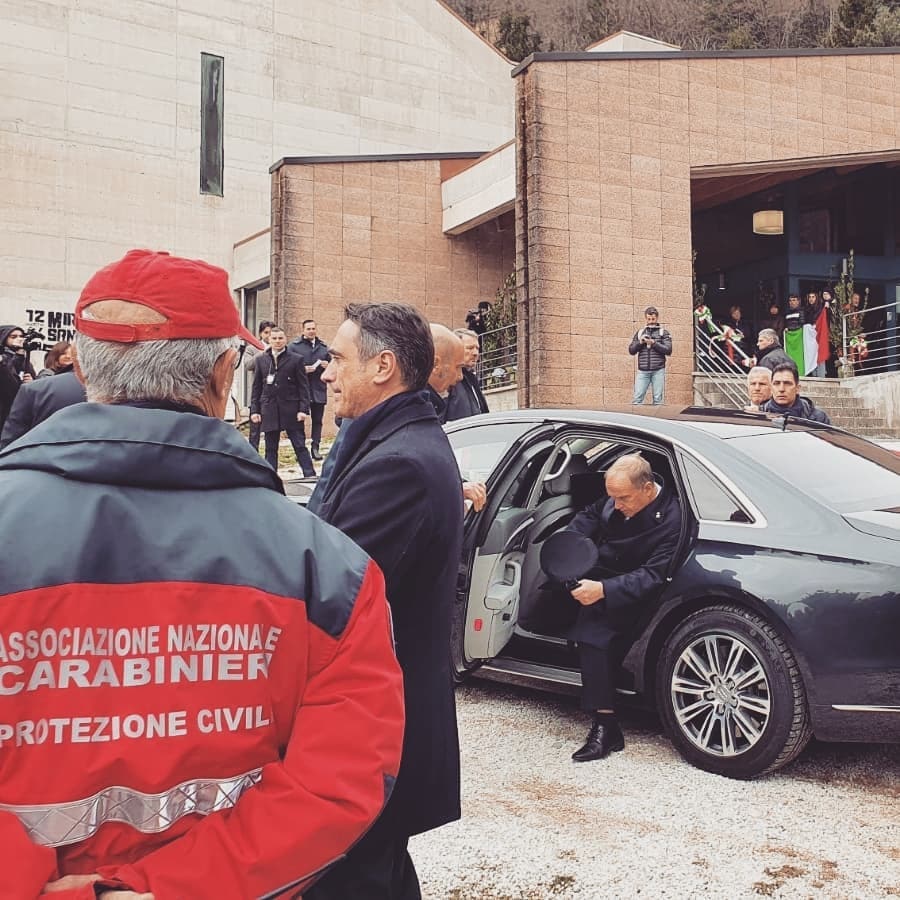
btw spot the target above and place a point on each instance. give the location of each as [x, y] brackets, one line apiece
[278, 403]
[635, 555]
[38, 400]
[311, 353]
[466, 398]
[395, 489]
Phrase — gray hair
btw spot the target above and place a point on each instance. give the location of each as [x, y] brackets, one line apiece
[465, 332]
[634, 467]
[760, 370]
[176, 371]
[770, 334]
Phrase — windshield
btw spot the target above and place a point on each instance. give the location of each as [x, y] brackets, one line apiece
[840, 470]
[479, 448]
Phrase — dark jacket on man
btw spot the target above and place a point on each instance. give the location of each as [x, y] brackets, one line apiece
[635, 555]
[311, 352]
[395, 490]
[772, 356]
[38, 400]
[650, 359]
[801, 408]
[279, 402]
[466, 398]
[438, 403]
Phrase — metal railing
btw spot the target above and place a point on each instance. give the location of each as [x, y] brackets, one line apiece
[499, 362]
[712, 357]
[866, 350]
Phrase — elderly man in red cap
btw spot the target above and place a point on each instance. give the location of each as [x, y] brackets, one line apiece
[198, 691]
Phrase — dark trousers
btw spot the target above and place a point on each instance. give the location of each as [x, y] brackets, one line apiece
[316, 414]
[599, 670]
[297, 436]
[254, 435]
[377, 868]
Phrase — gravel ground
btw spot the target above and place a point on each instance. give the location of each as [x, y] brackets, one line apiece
[645, 824]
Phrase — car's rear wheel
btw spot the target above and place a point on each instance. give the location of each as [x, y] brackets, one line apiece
[731, 694]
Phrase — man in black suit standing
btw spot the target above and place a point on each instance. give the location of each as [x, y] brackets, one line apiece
[315, 356]
[280, 400]
[466, 398]
[394, 488]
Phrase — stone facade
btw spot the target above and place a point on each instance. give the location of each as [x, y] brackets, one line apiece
[606, 149]
[371, 230]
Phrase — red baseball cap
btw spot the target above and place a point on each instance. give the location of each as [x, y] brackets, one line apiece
[191, 294]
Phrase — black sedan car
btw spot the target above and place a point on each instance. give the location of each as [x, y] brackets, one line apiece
[780, 616]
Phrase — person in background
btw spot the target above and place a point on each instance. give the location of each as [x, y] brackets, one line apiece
[280, 400]
[652, 344]
[393, 487]
[263, 330]
[816, 315]
[466, 398]
[58, 360]
[786, 399]
[225, 722]
[315, 356]
[759, 387]
[15, 369]
[769, 352]
[449, 357]
[739, 336]
[37, 401]
[794, 321]
[774, 320]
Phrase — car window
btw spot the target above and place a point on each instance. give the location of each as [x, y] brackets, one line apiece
[844, 472]
[480, 448]
[711, 500]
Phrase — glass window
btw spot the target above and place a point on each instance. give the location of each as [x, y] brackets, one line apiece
[212, 124]
[479, 449]
[840, 470]
[711, 500]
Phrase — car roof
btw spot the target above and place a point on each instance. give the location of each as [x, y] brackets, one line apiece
[665, 421]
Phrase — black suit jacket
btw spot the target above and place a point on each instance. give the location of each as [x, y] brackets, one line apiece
[466, 398]
[395, 489]
[278, 403]
[635, 555]
[38, 400]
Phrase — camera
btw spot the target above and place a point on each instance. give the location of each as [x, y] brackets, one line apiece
[33, 340]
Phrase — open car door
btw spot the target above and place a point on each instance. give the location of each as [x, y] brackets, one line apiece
[493, 551]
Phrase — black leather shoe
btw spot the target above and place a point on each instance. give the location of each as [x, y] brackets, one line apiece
[314, 453]
[601, 741]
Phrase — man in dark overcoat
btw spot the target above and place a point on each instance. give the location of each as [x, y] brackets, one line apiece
[279, 400]
[637, 531]
[466, 398]
[393, 486]
[315, 356]
[38, 400]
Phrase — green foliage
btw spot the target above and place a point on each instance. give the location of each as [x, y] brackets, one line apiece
[854, 19]
[498, 345]
[503, 310]
[515, 38]
[843, 294]
[601, 18]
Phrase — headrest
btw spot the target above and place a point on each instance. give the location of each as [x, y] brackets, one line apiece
[562, 483]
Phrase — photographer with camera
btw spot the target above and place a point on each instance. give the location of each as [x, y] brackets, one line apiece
[476, 319]
[16, 345]
[652, 344]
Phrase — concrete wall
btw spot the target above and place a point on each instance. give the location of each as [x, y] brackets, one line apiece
[372, 231]
[100, 118]
[880, 393]
[606, 150]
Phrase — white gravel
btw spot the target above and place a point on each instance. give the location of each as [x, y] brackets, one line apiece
[643, 823]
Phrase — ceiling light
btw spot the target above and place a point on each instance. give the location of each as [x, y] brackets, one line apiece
[768, 221]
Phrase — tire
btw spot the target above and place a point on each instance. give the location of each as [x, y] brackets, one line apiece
[731, 695]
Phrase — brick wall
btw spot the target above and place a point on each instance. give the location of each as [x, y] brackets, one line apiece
[605, 151]
[371, 231]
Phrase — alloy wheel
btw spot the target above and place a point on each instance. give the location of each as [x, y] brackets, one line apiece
[721, 695]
